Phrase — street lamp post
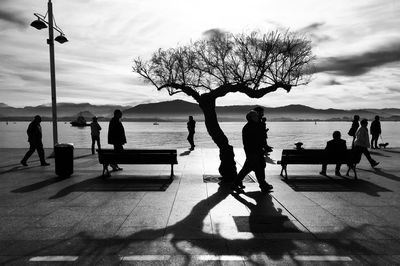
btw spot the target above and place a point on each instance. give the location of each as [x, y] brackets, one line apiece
[39, 24]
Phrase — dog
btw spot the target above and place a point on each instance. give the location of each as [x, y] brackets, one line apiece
[383, 145]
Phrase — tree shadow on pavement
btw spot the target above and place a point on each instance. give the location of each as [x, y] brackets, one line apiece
[256, 250]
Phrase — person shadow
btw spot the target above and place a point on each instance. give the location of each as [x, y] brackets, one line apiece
[178, 236]
[251, 249]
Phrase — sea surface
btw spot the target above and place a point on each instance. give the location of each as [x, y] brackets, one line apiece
[174, 134]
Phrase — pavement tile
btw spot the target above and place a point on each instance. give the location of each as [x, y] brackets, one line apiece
[140, 233]
[49, 233]
[117, 207]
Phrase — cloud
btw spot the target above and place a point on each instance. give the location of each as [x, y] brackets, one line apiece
[312, 27]
[13, 17]
[315, 32]
[356, 65]
[333, 82]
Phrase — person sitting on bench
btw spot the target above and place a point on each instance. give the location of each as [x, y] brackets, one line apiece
[335, 148]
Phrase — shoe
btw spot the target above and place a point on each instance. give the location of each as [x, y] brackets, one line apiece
[267, 189]
[45, 164]
[24, 163]
[374, 164]
[322, 173]
[237, 189]
[338, 174]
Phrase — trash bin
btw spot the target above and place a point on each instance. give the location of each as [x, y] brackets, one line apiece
[64, 159]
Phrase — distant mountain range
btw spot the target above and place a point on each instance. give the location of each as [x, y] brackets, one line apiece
[179, 110]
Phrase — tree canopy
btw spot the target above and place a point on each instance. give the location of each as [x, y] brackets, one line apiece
[254, 64]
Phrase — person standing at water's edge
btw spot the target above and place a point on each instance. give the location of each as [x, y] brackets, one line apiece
[353, 129]
[191, 125]
[35, 141]
[253, 137]
[361, 144]
[116, 134]
[95, 133]
[375, 132]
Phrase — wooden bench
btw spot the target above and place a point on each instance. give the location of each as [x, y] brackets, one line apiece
[130, 156]
[315, 156]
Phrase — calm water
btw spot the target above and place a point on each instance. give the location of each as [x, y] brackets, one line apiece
[173, 134]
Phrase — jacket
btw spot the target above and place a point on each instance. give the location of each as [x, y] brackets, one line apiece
[336, 148]
[253, 136]
[362, 138]
[116, 132]
[375, 128]
[34, 132]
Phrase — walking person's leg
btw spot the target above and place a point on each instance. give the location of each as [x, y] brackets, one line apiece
[371, 161]
[27, 155]
[238, 182]
[190, 140]
[93, 142]
[376, 137]
[117, 148]
[40, 151]
[259, 171]
[98, 142]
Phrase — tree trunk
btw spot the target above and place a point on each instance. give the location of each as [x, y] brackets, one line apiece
[227, 168]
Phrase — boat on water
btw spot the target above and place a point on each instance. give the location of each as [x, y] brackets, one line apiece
[79, 122]
[155, 123]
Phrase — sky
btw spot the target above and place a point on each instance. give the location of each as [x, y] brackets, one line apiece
[356, 44]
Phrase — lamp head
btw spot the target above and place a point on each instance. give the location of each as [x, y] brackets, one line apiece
[38, 24]
[61, 39]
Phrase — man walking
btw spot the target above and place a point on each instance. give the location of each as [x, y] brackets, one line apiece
[35, 141]
[116, 135]
[253, 138]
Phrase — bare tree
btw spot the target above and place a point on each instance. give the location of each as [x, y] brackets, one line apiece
[254, 64]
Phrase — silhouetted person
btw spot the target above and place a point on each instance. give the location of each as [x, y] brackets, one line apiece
[253, 139]
[263, 120]
[95, 133]
[375, 132]
[191, 125]
[35, 141]
[335, 149]
[354, 126]
[361, 144]
[116, 135]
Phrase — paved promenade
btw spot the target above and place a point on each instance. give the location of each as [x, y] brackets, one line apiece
[137, 217]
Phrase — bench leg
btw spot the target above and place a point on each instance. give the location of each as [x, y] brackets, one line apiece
[106, 173]
[172, 172]
[284, 169]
